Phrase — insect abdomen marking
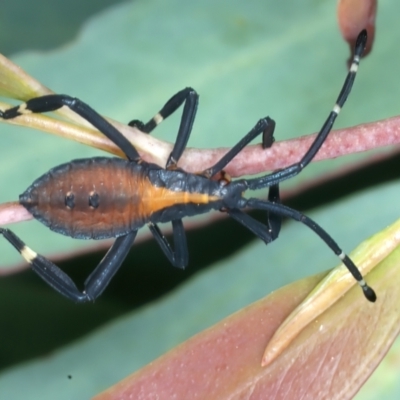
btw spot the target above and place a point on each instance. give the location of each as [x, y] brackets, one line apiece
[94, 200]
[70, 200]
[180, 194]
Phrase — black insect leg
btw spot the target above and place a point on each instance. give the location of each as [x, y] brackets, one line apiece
[284, 211]
[180, 257]
[295, 169]
[254, 226]
[61, 282]
[99, 279]
[267, 232]
[185, 128]
[265, 126]
[54, 102]
[274, 221]
[191, 100]
[270, 230]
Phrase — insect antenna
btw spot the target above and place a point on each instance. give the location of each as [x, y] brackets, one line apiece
[294, 169]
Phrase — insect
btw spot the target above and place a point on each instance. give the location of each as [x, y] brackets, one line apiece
[103, 197]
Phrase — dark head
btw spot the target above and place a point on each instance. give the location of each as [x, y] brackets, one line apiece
[232, 194]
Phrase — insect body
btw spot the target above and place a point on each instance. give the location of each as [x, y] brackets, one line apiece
[104, 197]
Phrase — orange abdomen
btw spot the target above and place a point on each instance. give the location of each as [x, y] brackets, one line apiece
[89, 198]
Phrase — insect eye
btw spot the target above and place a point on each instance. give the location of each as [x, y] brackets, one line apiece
[94, 199]
[69, 200]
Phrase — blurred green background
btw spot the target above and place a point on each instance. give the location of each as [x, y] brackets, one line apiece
[247, 60]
